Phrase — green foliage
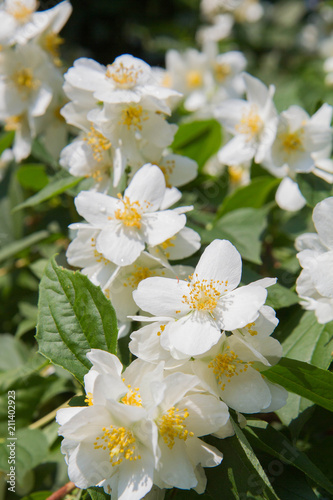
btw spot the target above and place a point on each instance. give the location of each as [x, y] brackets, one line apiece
[74, 317]
[313, 188]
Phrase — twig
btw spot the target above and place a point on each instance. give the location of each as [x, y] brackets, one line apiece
[63, 491]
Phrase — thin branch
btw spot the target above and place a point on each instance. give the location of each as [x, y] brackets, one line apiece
[62, 492]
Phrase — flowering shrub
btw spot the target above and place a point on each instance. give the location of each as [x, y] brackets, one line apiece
[150, 223]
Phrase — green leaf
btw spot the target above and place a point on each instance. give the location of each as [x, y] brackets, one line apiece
[52, 189]
[6, 140]
[13, 353]
[198, 140]
[276, 444]
[308, 341]
[244, 228]
[32, 364]
[32, 176]
[40, 152]
[38, 495]
[278, 296]
[30, 448]
[74, 317]
[305, 380]
[313, 188]
[17, 246]
[254, 195]
[98, 494]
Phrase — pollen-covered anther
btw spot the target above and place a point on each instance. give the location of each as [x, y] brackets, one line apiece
[19, 11]
[133, 116]
[250, 329]
[161, 330]
[171, 425]
[203, 295]
[221, 71]
[140, 273]
[123, 77]
[227, 365]
[251, 123]
[131, 214]
[292, 141]
[99, 257]
[24, 80]
[133, 397]
[167, 170]
[98, 143]
[120, 443]
[89, 399]
[194, 79]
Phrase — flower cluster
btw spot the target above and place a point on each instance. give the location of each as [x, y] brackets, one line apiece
[315, 283]
[207, 339]
[31, 93]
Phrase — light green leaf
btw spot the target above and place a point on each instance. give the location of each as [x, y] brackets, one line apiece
[17, 246]
[6, 140]
[198, 140]
[13, 353]
[32, 176]
[254, 195]
[244, 228]
[276, 444]
[98, 494]
[52, 189]
[313, 188]
[30, 448]
[74, 317]
[305, 380]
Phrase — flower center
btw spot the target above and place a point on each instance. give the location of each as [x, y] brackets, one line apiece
[13, 123]
[120, 443]
[235, 173]
[124, 78]
[51, 44]
[97, 142]
[167, 170]
[133, 397]
[226, 365]
[251, 123]
[130, 216]
[20, 11]
[140, 273]
[24, 80]
[222, 71]
[194, 79]
[133, 116]
[292, 142]
[171, 426]
[203, 295]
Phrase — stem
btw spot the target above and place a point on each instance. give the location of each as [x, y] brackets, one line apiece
[63, 491]
[47, 418]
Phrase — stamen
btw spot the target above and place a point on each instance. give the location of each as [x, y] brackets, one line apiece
[98, 143]
[227, 365]
[203, 295]
[89, 399]
[24, 80]
[222, 71]
[133, 397]
[171, 426]
[292, 141]
[133, 116]
[251, 123]
[139, 274]
[123, 77]
[131, 215]
[167, 171]
[19, 11]
[194, 79]
[120, 443]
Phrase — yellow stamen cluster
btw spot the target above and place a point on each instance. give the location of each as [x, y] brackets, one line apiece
[235, 173]
[203, 295]
[89, 399]
[123, 77]
[131, 215]
[139, 274]
[250, 329]
[227, 365]
[167, 244]
[292, 141]
[167, 170]
[251, 123]
[171, 426]
[13, 123]
[98, 256]
[161, 330]
[24, 80]
[19, 11]
[133, 116]
[194, 79]
[120, 443]
[221, 71]
[133, 397]
[51, 43]
[98, 143]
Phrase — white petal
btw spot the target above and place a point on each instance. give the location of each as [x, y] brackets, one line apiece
[206, 414]
[122, 246]
[323, 220]
[247, 392]
[147, 186]
[161, 296]
[95, 207]
[161, 226]
[288, 196]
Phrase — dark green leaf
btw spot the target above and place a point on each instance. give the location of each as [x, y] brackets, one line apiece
[198, 140]
[244, 228]
[276, 444]
[254, 195]
[305, 380]
[52, 189]
[32, 176]
[313, 188]
[98, 494]
[74, 317]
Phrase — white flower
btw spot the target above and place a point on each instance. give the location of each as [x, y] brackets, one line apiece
[179, 246]
[196, 310]
[315, 283]
[288, 195]
[252, 122]
[140, 428]
[130, 221]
